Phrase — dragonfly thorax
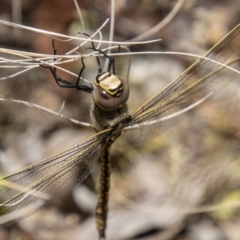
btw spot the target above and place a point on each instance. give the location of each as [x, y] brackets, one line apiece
[109, 83]
[111, 91]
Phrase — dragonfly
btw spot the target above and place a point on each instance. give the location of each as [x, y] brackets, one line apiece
[114, 125]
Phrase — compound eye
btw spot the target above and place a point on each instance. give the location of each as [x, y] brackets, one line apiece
[110, 93]
[104, 94]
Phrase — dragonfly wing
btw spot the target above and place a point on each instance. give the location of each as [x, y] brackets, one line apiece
[49, 178]
[220, 53]
[192, 87]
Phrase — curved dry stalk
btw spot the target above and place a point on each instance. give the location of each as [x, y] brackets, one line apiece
[112, 23]
[170, 116]
[71, 58]
[50, 34]
[177, 53]
[79, 14]
[16, 74]
[161, 24]
[30, 55]
[69, 38]
[36, 106]
[32, 60]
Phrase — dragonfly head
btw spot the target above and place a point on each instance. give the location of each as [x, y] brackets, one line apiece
[111, 91]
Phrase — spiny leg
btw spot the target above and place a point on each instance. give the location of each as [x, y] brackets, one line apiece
[65, 83]
[93, 47]
[111, 59]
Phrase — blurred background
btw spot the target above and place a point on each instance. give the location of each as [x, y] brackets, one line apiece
[173, 187]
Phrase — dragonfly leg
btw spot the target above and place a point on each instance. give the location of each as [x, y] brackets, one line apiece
[111, 64]
[65, 83]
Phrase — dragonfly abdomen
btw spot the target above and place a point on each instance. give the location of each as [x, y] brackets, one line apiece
[104, 185]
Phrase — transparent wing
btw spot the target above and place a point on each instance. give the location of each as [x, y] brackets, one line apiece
[196, 84]
[49, 178]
